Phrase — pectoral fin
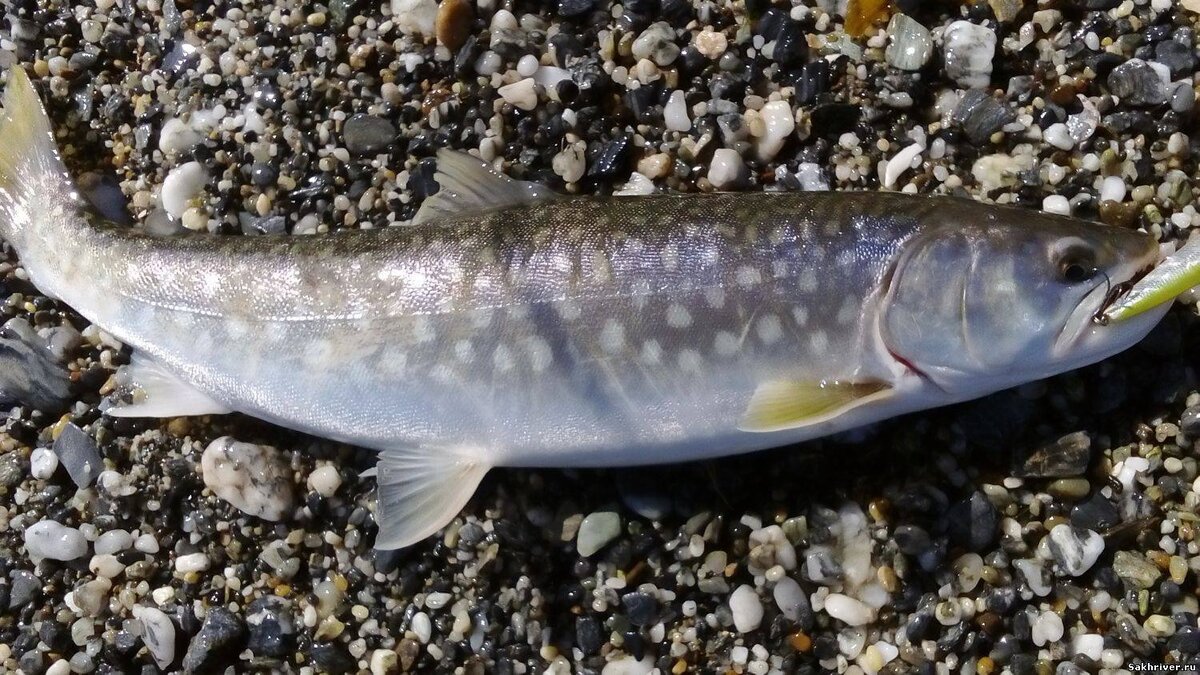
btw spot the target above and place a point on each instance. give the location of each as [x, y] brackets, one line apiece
[467, 185]
[790, 404]
[154, 392]
[420, 490]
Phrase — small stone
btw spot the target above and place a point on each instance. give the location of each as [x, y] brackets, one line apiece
[726, 170]
[1057, 204]
[657, 43]
[640, 608]
[253, 478]
[54, 541]
[1096, 513]
[778, 124]
[1047, 628]
[969, 49]
[910, 45]
[981, 115]
[1059, 136]
[158, 634]
[675, 113]
[217, 640]
[974, 522]
[183, 184]
[384, 661]
[271, 626]
[1159, 626]
[1074, 549]
[325, 480]
[1006, 10]
[29, 373]
[25, 588]
[453, 23]
[366, 135]
[747, 609]
[1136, 82]
[1067, 457]
[78, 454]
[793, 602]
[848, 610]
[415, 17]
[710, 43]
[596, 531]
[521, 94]
[573, 8]
[861, 15]
[571, 162]
[192, 562]
[89, 598]
[422, 626]
[1135, 569]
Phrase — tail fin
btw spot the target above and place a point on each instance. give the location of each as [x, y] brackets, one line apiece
[31, 170]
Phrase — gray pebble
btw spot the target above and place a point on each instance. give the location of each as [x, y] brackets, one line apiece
[1136, 82]
[221, 631]
[78, 454]
[596, 530]
[28, 372]
[367, 134]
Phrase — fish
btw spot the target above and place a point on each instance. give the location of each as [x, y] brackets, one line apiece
[1175, 275]
[508, 326]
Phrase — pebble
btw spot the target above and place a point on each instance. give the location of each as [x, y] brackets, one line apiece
[1057, 204]
[453, 23]
[422, 626]
[1137, 83]
[29, 374]
[657, 43]
[981, 115]
[791, 600]
[42, 463]
[415, 17]
[848, 610]
[778, 124]
[675, 113]
[192, 562]
[899, 163]
[710, 43]
[521, 94]
[54, 541]
[746, 607]
[726, 170]
[366, 135]
[1136, 569]
[969, 50]
[596, 531]
[183, 184]
[1059, 136]
[910, 45]
[220, 631]
[1047, 628]
[158, 634]
[325, 480]
[571, 162]
[253, 478]
[1074, 549]
[78, 454]
[1068, 456]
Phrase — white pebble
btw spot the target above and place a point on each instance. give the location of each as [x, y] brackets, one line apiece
[1090, 645]
[415, 17]
[779, 122]
[113, 541]
[746, 607]
[1059, 136]
[54, 541]
[527, 66]
[192, 562]
[1113, 188]
[325, 480]
[184, 183]
[42, 463]
[253, 478]
[423, 627]
[146, 543]
[848, 610]
[1047, 628]
[1056, 204]
[790, 598]
[675, 113]
[900, 163]
[726, 169]
[521, 94]
[106, 565]
[158, 634]
[969, 49]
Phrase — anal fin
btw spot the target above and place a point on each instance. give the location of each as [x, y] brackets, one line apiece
[420, 490]
[790, 404]
[154, 392]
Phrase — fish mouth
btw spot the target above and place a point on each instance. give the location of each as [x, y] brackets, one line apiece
[1088, 324]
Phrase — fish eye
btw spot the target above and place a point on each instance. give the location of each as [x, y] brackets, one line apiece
[1074, 260]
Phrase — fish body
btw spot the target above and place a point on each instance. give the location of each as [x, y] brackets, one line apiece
[513, 329]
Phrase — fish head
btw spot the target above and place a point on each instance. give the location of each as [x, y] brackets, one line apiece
[986, 300]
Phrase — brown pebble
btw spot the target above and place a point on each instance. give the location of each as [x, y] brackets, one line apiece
[453, 23]
[862, 15]
[1063, 94]
[1121, 214]
[800, 641]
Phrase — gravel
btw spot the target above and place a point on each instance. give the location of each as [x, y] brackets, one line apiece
[1047, 529]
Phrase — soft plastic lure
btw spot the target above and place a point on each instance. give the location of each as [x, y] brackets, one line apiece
[1179, 272]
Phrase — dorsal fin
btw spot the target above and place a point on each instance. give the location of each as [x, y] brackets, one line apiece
[469, 185]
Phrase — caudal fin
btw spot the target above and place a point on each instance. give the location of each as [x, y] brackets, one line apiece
[30, 169]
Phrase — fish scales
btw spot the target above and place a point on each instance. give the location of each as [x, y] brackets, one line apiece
[508, 327]
[606, 316]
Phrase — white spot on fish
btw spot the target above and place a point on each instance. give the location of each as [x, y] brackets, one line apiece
[540, 356]
[770, 330]
[715, 297]
[748, 276]
[641, 293]
[464, 351]
[800, 315]
[651, 353]
[819, 342]
[422, 329]
[726, 343]
[569, 310]
[849, 311]
[779, 268]
[482, 318]
[236, 328]
[678, 316]
[502, 359]
[442, 373]
[612, 336]
[670, 257]
[808, 281]
[318, 353]
[393, 361]
[690, 361]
